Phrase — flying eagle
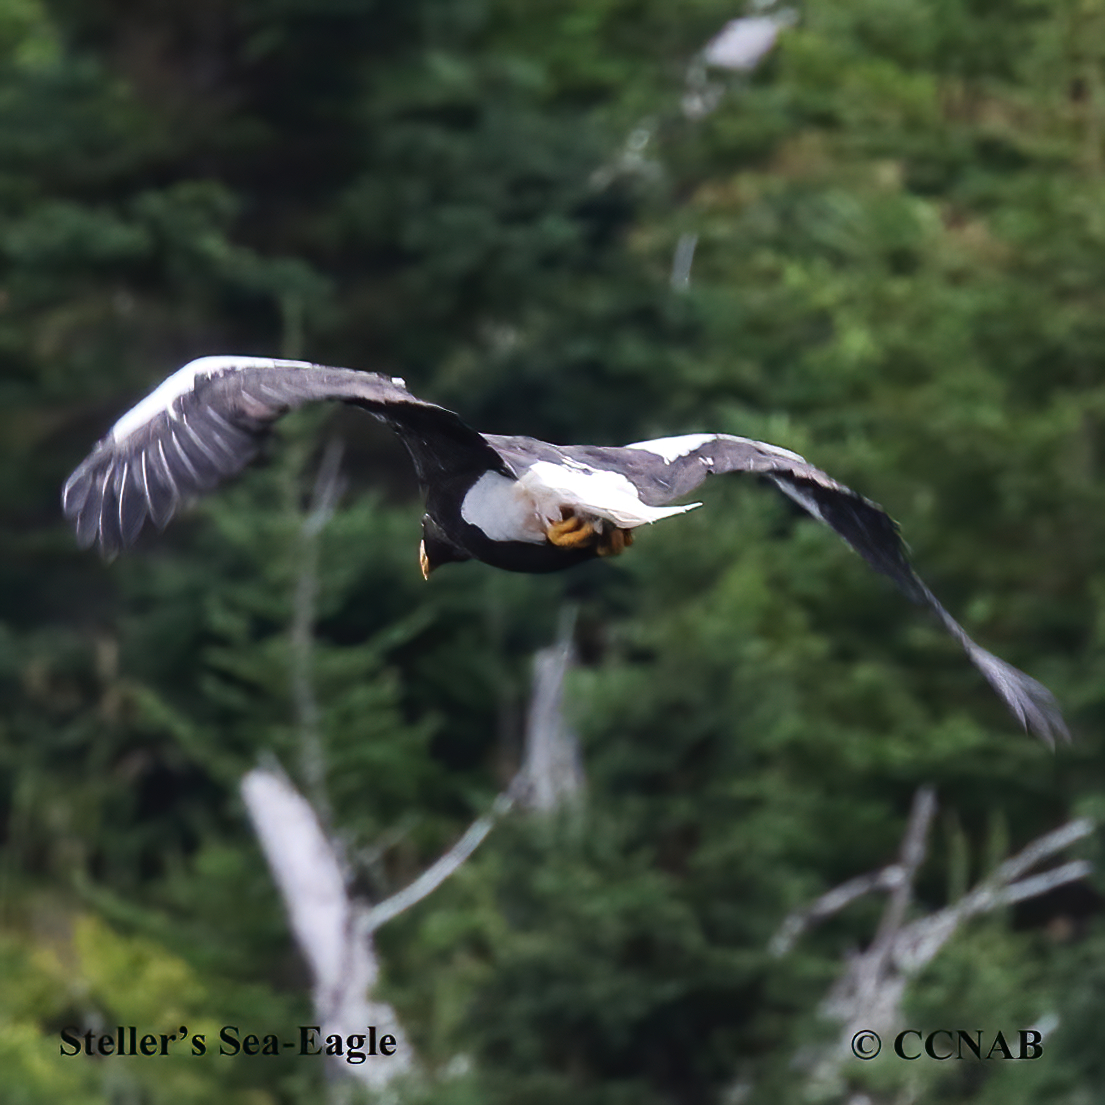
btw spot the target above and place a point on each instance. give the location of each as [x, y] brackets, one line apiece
[513, 502]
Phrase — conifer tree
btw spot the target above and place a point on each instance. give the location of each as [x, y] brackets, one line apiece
[895, 273]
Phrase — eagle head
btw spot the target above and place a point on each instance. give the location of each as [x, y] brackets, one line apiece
[436, 549]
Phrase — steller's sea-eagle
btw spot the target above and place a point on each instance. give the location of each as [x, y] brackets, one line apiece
[513, 502]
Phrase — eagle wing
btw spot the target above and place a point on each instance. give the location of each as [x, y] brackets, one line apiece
[666, 468]
[206, 422]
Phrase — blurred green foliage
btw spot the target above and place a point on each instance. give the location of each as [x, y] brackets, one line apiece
[899, 273]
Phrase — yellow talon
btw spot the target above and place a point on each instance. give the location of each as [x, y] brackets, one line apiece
[571, 532]
[615, 542]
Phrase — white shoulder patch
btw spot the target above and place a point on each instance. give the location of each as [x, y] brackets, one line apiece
[672, 448]
[183, 381]
[503, 509]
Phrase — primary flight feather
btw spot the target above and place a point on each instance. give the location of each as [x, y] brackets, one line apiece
[513, 502]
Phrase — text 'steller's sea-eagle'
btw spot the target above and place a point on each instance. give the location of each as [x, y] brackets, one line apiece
[513, 502]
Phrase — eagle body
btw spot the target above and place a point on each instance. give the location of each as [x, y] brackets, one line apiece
[515, 503]
[493, 519]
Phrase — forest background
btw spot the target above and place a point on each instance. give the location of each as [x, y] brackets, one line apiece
[899, 272]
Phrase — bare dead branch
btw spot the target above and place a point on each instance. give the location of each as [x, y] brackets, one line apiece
[551, 775]
[897, 877]
[682, 260]
[324, 921]
[832, 901]
[921, 940]
[333, 930]
[435, 875]
[869, 984]
[870, 992]
[1047, 845]
[1042, 884]
[324, 497]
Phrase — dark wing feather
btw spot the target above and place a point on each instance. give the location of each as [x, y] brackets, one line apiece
[206, 423]
[863, 524]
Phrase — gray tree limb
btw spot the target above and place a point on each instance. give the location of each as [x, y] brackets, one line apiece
[325, 922]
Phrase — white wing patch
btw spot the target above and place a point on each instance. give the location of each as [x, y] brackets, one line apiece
[182, 382]
[160, 399]
[672, 448]
[592, 493]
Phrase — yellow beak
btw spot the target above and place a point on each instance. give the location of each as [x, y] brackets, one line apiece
[423, 560]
